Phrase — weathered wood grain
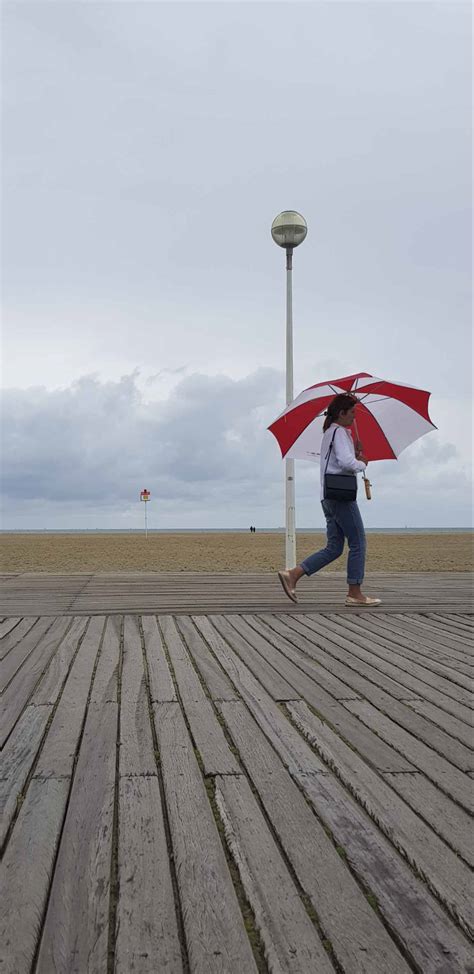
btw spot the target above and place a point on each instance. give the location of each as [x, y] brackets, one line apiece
[55, 674]
[448, 877]
[438, 769]
[450, 821]
[275, 685]
[19, 653]
[207, 733]
[75, 935]
[26, 873]
[215, 593]
[383, 785]
[20, 689]
[218, 684]
[412, 645]
[456, 728]
[412, 641]
[146, 926]
[136, 743]
[432, 632]
[161, 684]
[385, 657]
[312, 690]
[416, 687]
[292, 659]
[358, 938]
[57, 756]
[16, 635]
[332, 659]
[297, 755]
[106, 675]
[6, 625]
[17, 759]
[215, 933]
[417, 920]
[290, 938]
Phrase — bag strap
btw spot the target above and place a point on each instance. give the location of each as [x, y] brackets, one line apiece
[329, 451]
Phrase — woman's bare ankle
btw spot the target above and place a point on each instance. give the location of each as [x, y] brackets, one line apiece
[295, 574]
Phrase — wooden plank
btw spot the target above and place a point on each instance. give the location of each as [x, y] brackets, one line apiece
[412, 631]
[287, 665]
[20, 689]
[26, 873]
[441, 637]
[381, 652]
[443, 815]
[206, 731]
[456, 728]
[451, 623]
[146, 938]
[290, 940]
[435, 767]
[328, 656]
[57, 756]
[297, 755]
[17, 759]
[410, 638]
[161, 684]
[447, 876]
[12, 638]
[416, 687]
[6, 625]
[75, 935]
[411, 913]
[19, 653]
[215, 933]
[375, 750]
[136, 743]
[106, 675]
[275, 685]
[359, 941]
[418, 725]
[218, 684]
[412, 644]
[55, 674]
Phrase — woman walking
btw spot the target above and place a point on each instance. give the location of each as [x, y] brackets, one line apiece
[343, 519]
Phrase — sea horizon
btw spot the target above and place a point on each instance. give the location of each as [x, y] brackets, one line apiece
[279, 530]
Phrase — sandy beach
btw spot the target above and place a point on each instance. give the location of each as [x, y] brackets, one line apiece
[222, 552]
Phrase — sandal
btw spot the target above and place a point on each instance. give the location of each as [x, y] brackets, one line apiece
[365, 601]
[290, 592]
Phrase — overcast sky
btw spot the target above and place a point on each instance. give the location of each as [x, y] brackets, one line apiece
[147, 148]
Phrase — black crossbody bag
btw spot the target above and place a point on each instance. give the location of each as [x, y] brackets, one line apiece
[339, 486]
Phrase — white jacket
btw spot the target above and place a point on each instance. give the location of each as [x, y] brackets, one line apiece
[342, 458]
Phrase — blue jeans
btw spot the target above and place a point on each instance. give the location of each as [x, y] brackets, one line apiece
[343, 520]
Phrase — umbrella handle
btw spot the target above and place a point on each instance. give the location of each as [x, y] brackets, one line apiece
[367, 485]
[359, 448]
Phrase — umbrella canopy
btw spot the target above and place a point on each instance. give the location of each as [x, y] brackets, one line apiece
[389, 417]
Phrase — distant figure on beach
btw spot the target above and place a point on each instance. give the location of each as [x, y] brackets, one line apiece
[252, 530]
[343, 519]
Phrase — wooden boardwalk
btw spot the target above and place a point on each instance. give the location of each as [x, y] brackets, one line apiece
[30, 593]
[194, 789]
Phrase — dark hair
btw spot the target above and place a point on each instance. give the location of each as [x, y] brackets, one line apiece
[340, 404]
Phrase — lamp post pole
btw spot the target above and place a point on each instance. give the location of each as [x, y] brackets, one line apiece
[290, 539]
[288, 230]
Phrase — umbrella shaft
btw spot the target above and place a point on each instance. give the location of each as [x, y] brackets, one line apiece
[290, 541]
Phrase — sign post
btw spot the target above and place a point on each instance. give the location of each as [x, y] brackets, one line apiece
[145, 496]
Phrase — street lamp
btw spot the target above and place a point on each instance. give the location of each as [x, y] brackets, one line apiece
[289, 230]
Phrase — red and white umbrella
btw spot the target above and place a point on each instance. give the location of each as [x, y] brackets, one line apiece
[389, 417]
